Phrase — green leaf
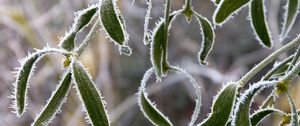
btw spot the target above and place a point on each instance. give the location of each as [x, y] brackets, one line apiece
[111, 21]
[226, 8]
[83, 18]
[156, 49]
[208, 37]
[290, 17]
[55, 102]
[68, 42]
[23, 75]
[242, 109]
[148, 108]
[217, 1]
[259, 23]
[222, 106]
[90, 96]
[294, 115]
[259, 115]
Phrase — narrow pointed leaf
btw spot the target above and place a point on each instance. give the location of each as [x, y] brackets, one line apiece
[157, 49]
[294, 114]
[226, 8]
[90, 96]
[23, 75]
[259, 23]
[242, 109]
[83, 18]
[112, 21]
[290, 17]
[148, 108]
[222, 106]
[258, 116]
[55, 102]
[208, 37]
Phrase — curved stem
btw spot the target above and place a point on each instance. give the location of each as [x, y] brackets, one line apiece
[164, 45]
[197, 91]
[274, 69]
[296, 57]
[88, 38]
[268, 60]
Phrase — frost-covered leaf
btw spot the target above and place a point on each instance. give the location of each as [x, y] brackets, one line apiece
[55, 102]
[291, 12]
[259, 115]
[156, 48]
[217, 1]
[208, 37]
[83, 18]
[226, 8]
[68, 41]
[222, 106]
[112, 21]
[242, 108]
[23, 75]
[294, 115]
[148, 108]
[259, 23]
[90, 96]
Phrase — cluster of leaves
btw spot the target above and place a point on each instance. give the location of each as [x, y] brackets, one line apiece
[105, 14]
[230, 106]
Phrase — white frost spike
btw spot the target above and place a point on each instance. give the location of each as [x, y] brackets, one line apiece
[23, 77]
[146, 25]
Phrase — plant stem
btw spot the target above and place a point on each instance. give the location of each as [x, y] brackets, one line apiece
[291, 74]
[268, 60]
[274, 69]
[296, 57]
[88, 38]
[188, 3]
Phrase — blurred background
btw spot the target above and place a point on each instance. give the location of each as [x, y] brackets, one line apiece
[29, 24]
